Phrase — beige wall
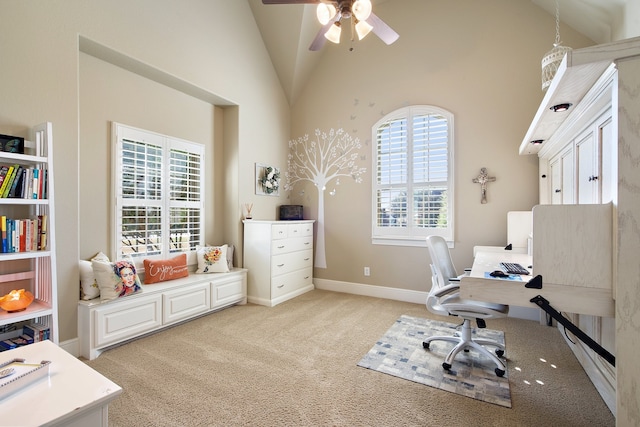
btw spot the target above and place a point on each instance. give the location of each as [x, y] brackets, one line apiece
[479, 60]
[212, 47]
[109, 93]
[486, 71]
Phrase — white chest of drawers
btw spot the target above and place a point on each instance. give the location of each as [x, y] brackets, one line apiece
[279, 256]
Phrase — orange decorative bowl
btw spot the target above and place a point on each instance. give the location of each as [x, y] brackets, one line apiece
[16, 300]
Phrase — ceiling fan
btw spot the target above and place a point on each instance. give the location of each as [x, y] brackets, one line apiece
[332, 13]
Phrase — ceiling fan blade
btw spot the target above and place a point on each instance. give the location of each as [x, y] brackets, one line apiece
[382, 30]
[320, 39]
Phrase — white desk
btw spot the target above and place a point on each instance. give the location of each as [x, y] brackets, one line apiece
[72, 395]
[571, 299]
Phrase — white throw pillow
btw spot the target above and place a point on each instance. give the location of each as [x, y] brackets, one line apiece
[88, 285]
[230, 249]
[212, 259]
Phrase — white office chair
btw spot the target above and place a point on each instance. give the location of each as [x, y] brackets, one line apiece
[444, 299]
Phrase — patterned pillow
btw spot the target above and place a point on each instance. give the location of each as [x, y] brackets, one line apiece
[116, 279]
[212, 259]
[88, 285]
[230, 249]
[160, 271]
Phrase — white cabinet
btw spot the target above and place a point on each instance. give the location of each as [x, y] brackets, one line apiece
[102, 324]
[26, 267]
[279, 256]
[127, 319]
[228, 289]
[182, 304]
[587, 173]
[588, 167]
[562, 170]
[580, 157]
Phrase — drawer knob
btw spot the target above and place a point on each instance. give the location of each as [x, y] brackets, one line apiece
[306, 277]
[281, 247]
[281, 286]
[280, 265]
[307, 259]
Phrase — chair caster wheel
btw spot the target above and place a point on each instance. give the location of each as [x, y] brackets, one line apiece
[499, 372]
[499, 353]
[446, 366]
[425, 345]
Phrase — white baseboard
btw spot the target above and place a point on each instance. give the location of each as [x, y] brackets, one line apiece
[396, 294]
[406, 295]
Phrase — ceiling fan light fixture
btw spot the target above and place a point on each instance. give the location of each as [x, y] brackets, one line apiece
[362, 29]
[333, 34]
[361, 9]
[325, 12]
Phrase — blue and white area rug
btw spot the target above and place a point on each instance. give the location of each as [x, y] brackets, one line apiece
[400, 353]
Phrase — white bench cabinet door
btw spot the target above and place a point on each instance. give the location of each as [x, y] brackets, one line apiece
[184, 303]
[127, 319]
[230, 290]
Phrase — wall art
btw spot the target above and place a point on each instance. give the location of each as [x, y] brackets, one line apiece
[267, 180]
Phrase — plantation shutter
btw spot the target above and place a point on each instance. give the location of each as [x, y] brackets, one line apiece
[158, 181]
[412, 185]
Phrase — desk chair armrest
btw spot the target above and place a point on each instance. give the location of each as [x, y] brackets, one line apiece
[446, 290]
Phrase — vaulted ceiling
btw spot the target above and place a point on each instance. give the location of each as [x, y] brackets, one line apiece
[287, 31]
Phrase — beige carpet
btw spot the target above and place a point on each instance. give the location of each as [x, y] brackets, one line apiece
[296, 365]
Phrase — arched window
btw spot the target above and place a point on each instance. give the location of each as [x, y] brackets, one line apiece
[413, 185]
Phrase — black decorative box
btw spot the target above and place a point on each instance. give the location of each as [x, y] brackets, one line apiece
[11, 144]
[290, 212]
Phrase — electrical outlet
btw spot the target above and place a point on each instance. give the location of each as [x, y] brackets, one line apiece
[367, 271]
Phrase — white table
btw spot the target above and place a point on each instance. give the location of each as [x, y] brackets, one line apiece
[571, 299]
[72, 395]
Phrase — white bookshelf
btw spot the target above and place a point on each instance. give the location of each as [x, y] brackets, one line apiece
[33, 270]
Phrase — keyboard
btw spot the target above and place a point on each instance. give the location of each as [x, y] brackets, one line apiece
[513, 268]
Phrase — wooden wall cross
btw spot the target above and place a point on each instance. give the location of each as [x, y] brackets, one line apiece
[483, 179]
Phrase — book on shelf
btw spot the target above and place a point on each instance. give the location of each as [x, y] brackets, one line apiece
[43, 232]
[45, 184]
[3, 173]
[23, 235]
[3, 229]
[18, 181]
[36, 331]
[27, 183]
[36, 184]
[7, 179]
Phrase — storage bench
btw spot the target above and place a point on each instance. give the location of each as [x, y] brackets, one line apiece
[104, 324]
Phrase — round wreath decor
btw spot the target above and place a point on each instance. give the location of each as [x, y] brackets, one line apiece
[270, 180]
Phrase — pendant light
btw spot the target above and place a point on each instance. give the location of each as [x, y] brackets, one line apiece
[551, 61]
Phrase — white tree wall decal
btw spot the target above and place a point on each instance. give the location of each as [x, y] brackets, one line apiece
[329, 156]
